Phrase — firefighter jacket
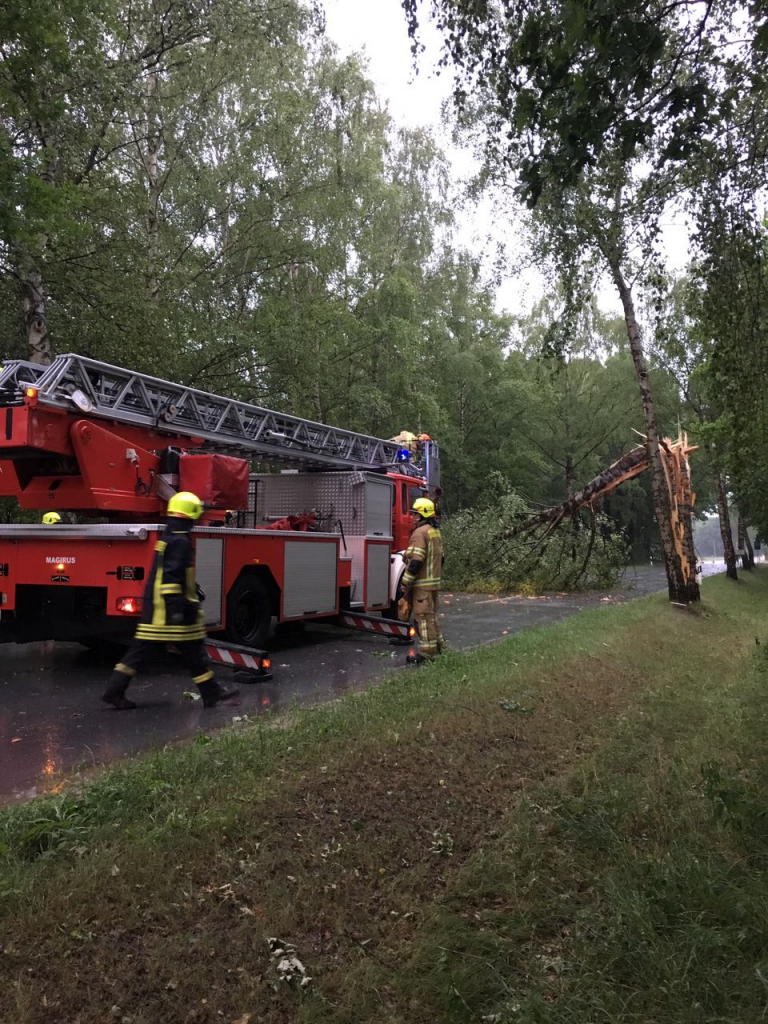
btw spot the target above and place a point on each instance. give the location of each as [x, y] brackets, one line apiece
[171, 611]
[424, 558]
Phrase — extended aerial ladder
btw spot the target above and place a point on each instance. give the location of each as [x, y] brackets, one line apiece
[211, 423]
[112, 444]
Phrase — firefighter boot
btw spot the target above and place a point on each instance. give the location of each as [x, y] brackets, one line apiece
[415, 659]
[115, 692]
[213, 693]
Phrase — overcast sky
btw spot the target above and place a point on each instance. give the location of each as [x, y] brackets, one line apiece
[377, 29]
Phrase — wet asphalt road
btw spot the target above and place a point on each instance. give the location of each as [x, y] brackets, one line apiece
[52, 720]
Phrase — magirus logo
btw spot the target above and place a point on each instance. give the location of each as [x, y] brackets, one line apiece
[61, 561]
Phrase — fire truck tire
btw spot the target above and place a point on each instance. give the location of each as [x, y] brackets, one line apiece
[249, 612]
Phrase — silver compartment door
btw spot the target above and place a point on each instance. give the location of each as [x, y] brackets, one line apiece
[378, 507]
[356, 552]
[310, 586]
[209, 569]
[377, 575]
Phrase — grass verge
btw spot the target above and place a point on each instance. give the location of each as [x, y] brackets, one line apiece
[569, 826]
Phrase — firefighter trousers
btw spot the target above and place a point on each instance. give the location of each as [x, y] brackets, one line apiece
[144, 652]
[426, 606]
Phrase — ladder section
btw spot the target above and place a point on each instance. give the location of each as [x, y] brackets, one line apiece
[14, 375]
[79, 384]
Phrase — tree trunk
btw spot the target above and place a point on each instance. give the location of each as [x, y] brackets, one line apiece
[569, 475]
[626, 468]
[152, 165]
[35, 321]
[745, 546]
[729, 553]
[681, 579]
[749, 550]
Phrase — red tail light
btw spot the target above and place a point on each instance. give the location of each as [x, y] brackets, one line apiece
[129, 605]
[266, 663]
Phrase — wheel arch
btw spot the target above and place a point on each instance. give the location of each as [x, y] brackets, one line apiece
[264, 574]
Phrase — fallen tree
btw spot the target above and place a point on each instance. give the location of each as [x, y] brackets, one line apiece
[677, 473]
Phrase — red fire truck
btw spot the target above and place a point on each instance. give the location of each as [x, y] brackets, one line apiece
[318, 532]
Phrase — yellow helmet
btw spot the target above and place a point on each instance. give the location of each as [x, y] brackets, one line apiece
[424, 507]
[51, 518]
[185, 504]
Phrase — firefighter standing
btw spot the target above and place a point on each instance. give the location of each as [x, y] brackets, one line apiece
[171, 611]
[421, 580]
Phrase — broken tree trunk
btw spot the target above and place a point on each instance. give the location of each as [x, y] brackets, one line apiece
[683, 499]
[628, 466]
[683, 587]
[680, 498]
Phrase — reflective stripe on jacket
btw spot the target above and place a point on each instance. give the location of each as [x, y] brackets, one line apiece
[171, 590]
[425, 547]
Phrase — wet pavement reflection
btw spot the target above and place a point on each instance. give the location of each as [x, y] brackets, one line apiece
[52, 720]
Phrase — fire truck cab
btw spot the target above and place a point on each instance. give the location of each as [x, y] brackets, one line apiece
[318, 531]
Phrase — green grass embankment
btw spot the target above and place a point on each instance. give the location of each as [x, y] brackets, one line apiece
[569, 826]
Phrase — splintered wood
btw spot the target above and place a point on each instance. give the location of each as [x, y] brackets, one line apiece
[677, 472]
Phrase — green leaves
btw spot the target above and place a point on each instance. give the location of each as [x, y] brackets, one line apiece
[574, 80]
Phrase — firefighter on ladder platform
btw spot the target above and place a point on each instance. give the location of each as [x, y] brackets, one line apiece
[420, 582]
[171, 611]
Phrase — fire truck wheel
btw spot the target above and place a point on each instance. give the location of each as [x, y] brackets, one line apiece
[249, 612]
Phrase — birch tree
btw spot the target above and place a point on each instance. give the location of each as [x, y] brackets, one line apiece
[592, 112]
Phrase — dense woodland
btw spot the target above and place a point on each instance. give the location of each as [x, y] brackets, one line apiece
[210, 193]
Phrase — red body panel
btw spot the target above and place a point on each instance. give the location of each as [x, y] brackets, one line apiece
[406, 490]
[62, 461]
[260, 550]
[112, 563]
[92, 562]
[345, 573]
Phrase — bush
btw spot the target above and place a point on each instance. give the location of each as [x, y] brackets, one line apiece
[477, 558]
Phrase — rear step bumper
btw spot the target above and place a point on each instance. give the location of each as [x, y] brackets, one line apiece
[374, 624]
[256, 663]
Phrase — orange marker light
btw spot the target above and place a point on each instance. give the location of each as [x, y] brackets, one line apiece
[412, 631]
[266, 663]
[60, 567]
[30, 392]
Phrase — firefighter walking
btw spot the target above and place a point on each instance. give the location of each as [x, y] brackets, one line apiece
[171, 611]
[420, 582]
